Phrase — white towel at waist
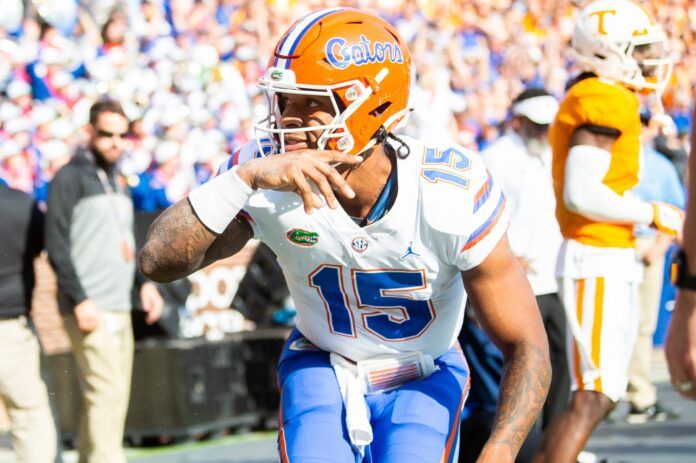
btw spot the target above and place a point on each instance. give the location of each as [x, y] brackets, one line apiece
[357, 411]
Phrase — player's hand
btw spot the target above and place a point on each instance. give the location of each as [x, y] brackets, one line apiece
[651, 255]
[292, 172]
[668, 219]
[664, 123]
[680, 345]
[87, 315]
[153, 304]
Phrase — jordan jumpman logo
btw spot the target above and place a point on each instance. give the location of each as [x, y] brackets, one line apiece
[409, 251]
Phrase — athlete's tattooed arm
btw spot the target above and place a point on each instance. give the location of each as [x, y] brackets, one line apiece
[178, 243]
[523, 389]
[507, 310]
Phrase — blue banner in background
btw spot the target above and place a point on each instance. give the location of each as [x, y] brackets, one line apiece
[669, 292]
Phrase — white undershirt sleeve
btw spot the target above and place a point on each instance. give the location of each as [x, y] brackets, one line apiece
[585, 193]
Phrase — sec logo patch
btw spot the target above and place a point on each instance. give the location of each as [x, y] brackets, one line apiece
[359, 244]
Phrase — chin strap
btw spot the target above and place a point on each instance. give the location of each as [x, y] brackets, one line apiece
[403, 151]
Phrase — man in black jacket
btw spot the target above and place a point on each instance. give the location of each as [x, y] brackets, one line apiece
[21, 387]
[90, 242]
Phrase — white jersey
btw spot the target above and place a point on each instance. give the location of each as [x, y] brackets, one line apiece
[392, 286]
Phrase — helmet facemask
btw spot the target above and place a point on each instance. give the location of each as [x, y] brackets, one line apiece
[346, 98]
[642, 62]
[276, 86]
[653, 62]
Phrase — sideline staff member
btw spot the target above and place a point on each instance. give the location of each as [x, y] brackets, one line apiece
[21, 387]
[89, 237]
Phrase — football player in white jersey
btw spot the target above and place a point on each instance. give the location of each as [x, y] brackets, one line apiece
[378, 238]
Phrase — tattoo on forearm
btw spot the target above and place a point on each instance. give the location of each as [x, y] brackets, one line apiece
[176, 244]
[231, 241]
[523, 390]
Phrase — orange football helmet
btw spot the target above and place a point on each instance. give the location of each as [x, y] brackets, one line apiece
[356, 59]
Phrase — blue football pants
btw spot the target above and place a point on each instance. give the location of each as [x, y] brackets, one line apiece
[415, 423]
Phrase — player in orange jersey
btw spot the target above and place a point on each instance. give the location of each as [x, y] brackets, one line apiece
[596, 151]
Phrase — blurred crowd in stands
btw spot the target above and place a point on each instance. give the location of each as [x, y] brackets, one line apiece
[186, 72]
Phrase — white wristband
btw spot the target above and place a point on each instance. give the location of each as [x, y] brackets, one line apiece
[218, 201]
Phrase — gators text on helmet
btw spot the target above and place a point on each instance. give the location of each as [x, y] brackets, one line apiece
[356, 59]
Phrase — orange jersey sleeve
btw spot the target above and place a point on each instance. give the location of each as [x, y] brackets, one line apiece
[596, 102]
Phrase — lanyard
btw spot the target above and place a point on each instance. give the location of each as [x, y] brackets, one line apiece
[118, 214]
[108, 188]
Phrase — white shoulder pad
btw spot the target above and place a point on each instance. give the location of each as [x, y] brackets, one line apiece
[456, 189]
[249, 150]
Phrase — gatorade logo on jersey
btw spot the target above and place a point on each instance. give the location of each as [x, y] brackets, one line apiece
[302, 237]
[341, 55]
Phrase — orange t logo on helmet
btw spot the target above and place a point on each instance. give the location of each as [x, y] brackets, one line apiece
[600, 16]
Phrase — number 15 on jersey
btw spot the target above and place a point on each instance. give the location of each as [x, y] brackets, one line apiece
[382, 307]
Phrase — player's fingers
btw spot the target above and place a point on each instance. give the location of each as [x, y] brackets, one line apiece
[310, 199]
[681, 380]
[688, 388]
[88, 325]
[681, 361]
[320, 180]
[336, 180]
[150, 318]
[677, 376]
[332, 156]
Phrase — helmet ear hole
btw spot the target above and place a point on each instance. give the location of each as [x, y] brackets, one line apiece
[379, 110]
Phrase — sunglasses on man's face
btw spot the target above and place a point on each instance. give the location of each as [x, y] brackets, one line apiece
[106, 134]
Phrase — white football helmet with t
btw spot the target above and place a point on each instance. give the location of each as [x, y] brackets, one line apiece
[618, 40]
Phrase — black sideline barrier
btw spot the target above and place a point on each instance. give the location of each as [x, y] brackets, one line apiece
[262, 290]
[184, 388]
